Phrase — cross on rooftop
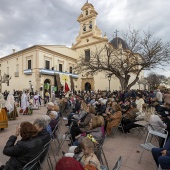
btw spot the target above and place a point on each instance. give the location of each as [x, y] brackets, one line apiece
[116, 32]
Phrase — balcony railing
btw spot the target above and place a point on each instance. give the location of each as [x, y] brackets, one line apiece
[28, 71]
[53, 72]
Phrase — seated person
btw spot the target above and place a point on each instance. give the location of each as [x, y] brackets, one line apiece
[138, 122]
[158, 125]
[77, 116]
[49, 107]
[162, 155]
[54, 119]
[83, 124]
[100, 107]
[48, 127]
[25, 149]
[67, 163]
[130, 114]
[96, 130]
[41, 125]
[125, 106]
[113, 120]
[159, 109]
[87, 156]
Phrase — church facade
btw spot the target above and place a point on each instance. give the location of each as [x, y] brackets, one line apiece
[49, 67]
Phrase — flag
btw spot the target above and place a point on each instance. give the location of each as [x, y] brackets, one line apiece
[66, 87]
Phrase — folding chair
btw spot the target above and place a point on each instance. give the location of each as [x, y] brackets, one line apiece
[47, 156]
[118, 164]
[120, 126]
[66, 136]
[100, 152]
[55, 136]
[142, 130]
[148, 145]
[35, 163]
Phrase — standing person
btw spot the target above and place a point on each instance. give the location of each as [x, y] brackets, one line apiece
[139, 102]
[159, 96]
[11, 108]
[24, 104]
[53, 97]
[47, 97]
[5, 94]
[3, 114]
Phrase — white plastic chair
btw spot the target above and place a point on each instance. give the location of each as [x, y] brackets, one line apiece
[148, 145]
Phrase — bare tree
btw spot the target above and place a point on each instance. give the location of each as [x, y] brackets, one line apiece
[155, 80]
[144, 52]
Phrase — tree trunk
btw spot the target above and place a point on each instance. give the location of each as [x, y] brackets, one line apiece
[123, 83]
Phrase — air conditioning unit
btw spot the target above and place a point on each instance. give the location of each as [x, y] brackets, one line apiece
[16, 74]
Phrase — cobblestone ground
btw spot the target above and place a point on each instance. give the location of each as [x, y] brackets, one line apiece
[114, 146]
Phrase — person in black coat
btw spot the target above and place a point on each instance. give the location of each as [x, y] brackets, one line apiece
[43, 134]
[25, 149]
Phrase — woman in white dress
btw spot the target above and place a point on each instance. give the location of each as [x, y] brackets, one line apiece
[24, 104]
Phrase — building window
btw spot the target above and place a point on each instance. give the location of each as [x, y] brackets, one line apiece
[17, 68]
[29, 64]
[47, 64]
[86, 12]
[87, 55]
[90, 25]
[7, 71]
[71, 69]
[60, 67]
[84, 27]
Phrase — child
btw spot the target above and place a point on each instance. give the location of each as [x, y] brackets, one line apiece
[88, 156]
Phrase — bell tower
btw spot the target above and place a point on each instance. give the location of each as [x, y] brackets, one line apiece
[88, 28]
[87, 19]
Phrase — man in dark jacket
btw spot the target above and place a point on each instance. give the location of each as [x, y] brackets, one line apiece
[162, 155]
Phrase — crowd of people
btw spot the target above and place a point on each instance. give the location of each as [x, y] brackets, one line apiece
[90, 116]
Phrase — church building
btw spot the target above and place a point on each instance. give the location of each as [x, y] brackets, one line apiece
[50, 67]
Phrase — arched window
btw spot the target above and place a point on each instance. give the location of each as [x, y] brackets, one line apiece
[84, 27]
[86, 12]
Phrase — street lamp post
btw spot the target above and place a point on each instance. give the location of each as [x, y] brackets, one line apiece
[109, 78]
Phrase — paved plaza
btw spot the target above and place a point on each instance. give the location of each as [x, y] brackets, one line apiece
[114, 146]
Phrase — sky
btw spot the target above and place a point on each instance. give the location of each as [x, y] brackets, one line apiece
[26, 23]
